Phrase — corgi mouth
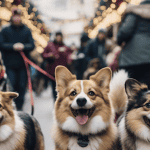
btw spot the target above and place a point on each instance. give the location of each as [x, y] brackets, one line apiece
[82, 115]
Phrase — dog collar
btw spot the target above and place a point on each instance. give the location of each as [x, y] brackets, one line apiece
[83, 140]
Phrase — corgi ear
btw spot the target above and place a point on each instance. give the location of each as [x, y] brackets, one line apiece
[9, 95]
[102, 77]
[63, 76]
[132, 87]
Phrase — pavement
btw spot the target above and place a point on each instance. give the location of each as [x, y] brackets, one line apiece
[44, 106]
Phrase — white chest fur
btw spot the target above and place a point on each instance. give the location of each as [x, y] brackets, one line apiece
[142, 145]
[93, 144]
[12, 136]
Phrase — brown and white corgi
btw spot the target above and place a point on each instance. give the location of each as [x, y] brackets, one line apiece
[134, 127]
[18, 130]
[84, 114]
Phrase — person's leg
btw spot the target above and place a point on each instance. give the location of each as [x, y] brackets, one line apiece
[12, 78]
[53, 83]
[21, 87]
[144, 73]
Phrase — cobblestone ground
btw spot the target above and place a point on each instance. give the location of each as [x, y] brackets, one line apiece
[43, 113]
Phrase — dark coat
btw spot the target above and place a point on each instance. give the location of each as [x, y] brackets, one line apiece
[135, 31]
[8, 37]
[91, 51]
[80, 63]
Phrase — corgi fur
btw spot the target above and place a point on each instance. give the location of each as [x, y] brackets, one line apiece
[18, 130]
[117, 92]
[84, 109]
[134, 127]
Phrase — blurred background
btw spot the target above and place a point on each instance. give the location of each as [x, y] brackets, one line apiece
[82, 35]
[46, 17]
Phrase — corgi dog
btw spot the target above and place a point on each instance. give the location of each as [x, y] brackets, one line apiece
[18, 130]
[84, 114]
[134, 125]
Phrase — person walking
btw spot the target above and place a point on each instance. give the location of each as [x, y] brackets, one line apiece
[17, 37]
[56, 53]
[96, 48]
[80, 64]
[134, 34]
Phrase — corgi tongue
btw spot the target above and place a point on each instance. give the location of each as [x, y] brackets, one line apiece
[82, 119]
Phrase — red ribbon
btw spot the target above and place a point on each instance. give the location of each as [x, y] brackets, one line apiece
[27, 61]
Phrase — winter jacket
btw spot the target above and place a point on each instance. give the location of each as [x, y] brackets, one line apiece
[61, 55]
[8, 37]
[92, 51]
[80, 63]
[135, 31]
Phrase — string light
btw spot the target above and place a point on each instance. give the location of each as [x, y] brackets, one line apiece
[114, 1]
[103, 7]
[113, 6]
[110, 18]
[34, 9]
[11, 1]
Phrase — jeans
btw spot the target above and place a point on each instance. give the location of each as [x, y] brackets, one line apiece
[18, 81]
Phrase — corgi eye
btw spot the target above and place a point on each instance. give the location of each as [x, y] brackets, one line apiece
[91, 93]
[0, 106]
[147, 105]
[73, 93]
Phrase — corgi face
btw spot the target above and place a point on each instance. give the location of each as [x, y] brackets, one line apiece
[81, 103]
[138, 109]
[7, 120]
[6, 107]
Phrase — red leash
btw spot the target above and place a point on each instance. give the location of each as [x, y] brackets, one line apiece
[27, 61]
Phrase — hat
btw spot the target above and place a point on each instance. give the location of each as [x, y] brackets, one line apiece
[59, 33]
[84, 38]
[102, 30]
[16, 11]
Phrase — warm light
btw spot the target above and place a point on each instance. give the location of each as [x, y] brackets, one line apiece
[98, 13]
[10, 1]
[106, 22]
[41, 40]
[89, 30]
[39, 49]
[5, 13]
[95, 21]
[39, 16]
[135, 2]
[114, 1]
[103, 7]
[96, 5]
[34, 9]
[112, 6]
[121, 8]
[109, 10]
[104, 14]
[8, 5]
[99, 18]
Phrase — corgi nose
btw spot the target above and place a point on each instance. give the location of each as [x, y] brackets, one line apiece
[81, 102]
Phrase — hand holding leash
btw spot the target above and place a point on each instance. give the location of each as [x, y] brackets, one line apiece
[18, 46]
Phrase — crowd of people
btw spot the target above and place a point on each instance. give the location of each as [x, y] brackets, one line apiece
[130, 51]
